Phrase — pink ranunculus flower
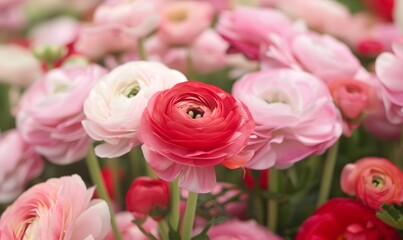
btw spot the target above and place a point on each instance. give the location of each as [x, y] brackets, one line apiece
[114, 107]
[326, 16]
[189, 129]
[138, 18]
[50, 113]
[378, 125]
[183, 21]
[235, 229]
[354, 99]
[389, 69]
[18, 66]
[20, 164]
[60, 208]
[248, 29]
[321, 55]
[60, 31]
[129, 230]
[374, 181]
[294, 114]
[209, 52]
[96, 41]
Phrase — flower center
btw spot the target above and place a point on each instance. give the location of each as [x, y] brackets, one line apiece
[131, 91]
[378, 182]
[195, 113]
[178, 15]
[277, 97]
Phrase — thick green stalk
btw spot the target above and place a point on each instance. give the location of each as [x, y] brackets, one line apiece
[327, 176]
[142, 50]
[95, 173]
[272, 204]
[190, 213]
[163, 230]
[175, 201]
[114, 165]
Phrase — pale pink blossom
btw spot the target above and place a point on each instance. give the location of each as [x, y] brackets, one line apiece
[220, 5]
[20, 164]
[389, 69]
[294, 113]
[321, 55]
[235, 229]
[18, 66]
[137, 18]
[249, 29]
[172, 57]
[60, 31]
[50, 114]
[96, 41]
[115, 105]
[183, 21]
[60, 208]
[208, 52]
[326, 16]
[12, 18]
[129, 230]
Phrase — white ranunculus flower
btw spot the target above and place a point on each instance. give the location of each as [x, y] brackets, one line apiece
[115, 105]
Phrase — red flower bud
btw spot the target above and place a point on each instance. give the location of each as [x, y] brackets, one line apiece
[147, 196]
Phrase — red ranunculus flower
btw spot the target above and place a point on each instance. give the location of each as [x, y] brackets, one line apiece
[346, 219]
[147, 196]
[192, 127]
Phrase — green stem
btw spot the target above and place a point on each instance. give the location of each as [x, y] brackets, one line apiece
[163, 229]
[327, 175]
[136, 162]
[6, 120]
[95, 173]
[190, 213]
[175, 201]
[272, 204]
[142, 50]
[114, 165]
[190, 68]
[399, 152]
[258, 207]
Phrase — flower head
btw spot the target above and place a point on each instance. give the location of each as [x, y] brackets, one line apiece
[374, 181]
[189, 129]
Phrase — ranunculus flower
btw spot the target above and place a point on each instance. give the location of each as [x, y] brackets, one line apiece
[129, 230]
[50, 114]
[321, 55]
[353, 98]
[60, 208]
[377, 124]
[18, 66]
[389, 69]
[138, 18]
[20, 164]
[326, 16]
[115, 105]
[192, 127]
[342, 218]
[60, 31]
[374, 181]
[183, 21]
[294, 114]
[235, 229]
[248, 29]
[208, 52]
[147, 196]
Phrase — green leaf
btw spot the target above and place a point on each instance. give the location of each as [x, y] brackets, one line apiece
[391, 216]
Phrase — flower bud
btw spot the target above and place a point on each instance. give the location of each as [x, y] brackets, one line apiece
[49, 53]
[147, 196]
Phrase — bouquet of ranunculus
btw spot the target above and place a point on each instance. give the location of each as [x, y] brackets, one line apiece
[201, 119]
